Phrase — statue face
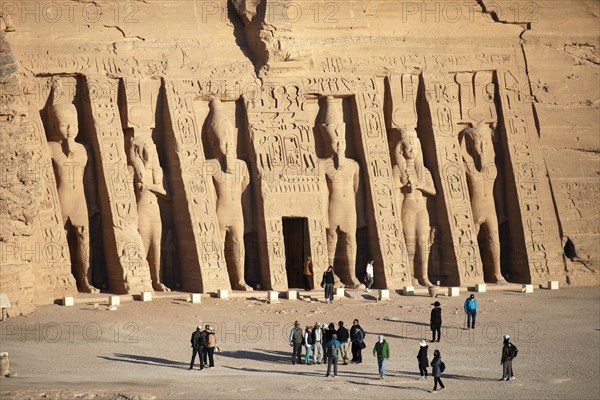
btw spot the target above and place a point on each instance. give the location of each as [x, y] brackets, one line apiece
[480, 142]
[66, 122]
[339, 147]
[225, 146]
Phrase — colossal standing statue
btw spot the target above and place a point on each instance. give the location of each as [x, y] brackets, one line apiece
[342, 175]
[478, 158]
[148, 185]
[230, 178]
[72, 172]
[414, 183]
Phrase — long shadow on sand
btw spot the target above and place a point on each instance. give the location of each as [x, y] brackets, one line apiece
[379, 384]
[310, 371]
[446, 376]
[145, 360]
[269, 356]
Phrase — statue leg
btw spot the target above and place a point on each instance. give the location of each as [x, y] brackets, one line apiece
[350, 245]
[423, 232]
[238, 257]
[154, 262]
[409, 229]
[83, 253]
[493, 242]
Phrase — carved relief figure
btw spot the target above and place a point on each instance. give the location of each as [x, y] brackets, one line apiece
[230, 179]
[72, 172]
[478, 158]
[342, 176]
[148, 185]
[414, 183]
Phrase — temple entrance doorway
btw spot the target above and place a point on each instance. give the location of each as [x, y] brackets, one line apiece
[297, 248]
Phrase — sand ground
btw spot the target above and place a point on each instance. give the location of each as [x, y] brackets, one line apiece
[142, 350]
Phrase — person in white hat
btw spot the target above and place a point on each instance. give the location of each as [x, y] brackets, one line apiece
[509, 352]
[317, 344]
[422, 358]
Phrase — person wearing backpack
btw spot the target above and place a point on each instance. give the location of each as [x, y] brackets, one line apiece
[332, 350]
[438, 367]
[470, 307]
[308, 338]
[509, 352]
[382, 351]
[295, 339]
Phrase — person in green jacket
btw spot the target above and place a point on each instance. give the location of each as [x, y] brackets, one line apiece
[382, 351]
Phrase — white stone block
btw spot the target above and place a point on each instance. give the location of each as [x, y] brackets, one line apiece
[292, 295]
[195, 298]
[68, 301]
[527, 289]
[223, 294]
[340, 292]
[384, 294]
[453, 291]
[146, 296]
[273, 296]
[552, 285]
[114, 301]
[408, 290]
[481, 287]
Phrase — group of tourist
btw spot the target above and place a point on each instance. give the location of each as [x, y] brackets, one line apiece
[327, 343]
[204, 343]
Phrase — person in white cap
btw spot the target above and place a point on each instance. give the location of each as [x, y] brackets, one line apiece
[422, 358]
[509, 352]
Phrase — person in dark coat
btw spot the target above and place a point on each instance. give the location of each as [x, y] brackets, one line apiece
[422, 358]
[436, 366]
[435, 322]
[343, 336]
[506, 360]
[327, 282]
[198, 343]
[357, 335]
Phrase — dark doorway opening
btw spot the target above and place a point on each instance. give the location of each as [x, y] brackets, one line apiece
[297, 248]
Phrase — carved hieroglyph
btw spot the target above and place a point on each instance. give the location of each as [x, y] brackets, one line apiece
[71, 169]
[461, 245]
[342, 175]
[146, 170]
[289, 183]
[203, 265]
[127, 267]
[413, 183]
[230, 180]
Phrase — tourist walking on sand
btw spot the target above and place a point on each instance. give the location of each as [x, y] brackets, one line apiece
[357, 335]
[295, 340]
[308, 274]
[307, 344]
[332, 349]
[435, 322]
[509, 352]
[422, 358]
[369, 278]
[343, 336]
[382, 351]
[327, 283]
[470, 307]
[317, 344]
[211, 343]
[437, 366]
[198, 342]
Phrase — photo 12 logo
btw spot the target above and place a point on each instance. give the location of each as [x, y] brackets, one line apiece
[69, 12]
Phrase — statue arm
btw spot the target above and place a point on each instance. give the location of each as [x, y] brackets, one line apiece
[157, 186]
[428, 188]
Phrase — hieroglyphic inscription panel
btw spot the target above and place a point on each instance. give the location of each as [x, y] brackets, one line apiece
[442, 94]
[127, 267]
[197, 224]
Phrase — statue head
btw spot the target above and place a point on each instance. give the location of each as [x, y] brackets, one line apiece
[409, 145]
[333, 126]
[64, 120]
[478, 140]
[221, 130]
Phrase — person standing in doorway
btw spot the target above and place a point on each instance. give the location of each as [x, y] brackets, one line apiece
[470, 307]
[327, 282]
[308, 274]
[435, 321]
[369, 275]
[382, 351]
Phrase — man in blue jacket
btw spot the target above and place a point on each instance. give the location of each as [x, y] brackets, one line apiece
[471, 310]
[332, 350]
